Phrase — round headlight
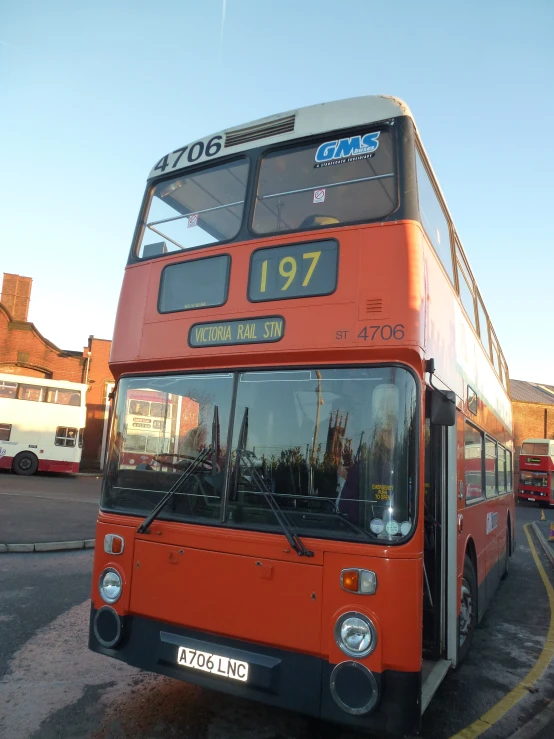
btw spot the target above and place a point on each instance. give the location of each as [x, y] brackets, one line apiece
[355, 635]
[110, 585]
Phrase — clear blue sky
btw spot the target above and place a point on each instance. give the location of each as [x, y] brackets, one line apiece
[93, 94]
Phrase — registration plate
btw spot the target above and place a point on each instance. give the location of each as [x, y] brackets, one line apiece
[213, 663]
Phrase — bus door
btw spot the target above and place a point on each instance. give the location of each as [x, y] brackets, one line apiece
[434, 553]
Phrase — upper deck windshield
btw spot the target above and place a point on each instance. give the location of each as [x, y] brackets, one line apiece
[338, 181]
[327, 182]
[335, 448]
[195, 209]
[538, 448]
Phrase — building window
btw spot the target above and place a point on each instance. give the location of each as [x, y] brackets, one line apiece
[490, 467]
[65, 436]
[5, 431]
[473, 463]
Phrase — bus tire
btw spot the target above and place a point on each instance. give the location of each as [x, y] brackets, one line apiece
[25, 463]
[467, 619]
[506, 553]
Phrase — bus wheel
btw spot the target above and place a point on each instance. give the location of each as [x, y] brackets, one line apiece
[25, 463]
[506, 553]
[468, 609]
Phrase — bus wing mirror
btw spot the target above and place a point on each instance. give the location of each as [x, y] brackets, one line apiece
[443, 408]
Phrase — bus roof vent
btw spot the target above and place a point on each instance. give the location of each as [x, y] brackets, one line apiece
[260, 131]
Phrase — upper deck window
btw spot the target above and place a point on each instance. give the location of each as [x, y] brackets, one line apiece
[196, 209]
[337, 181]
[539, 448]
[63, 396]
[433, 217]
[8, 389]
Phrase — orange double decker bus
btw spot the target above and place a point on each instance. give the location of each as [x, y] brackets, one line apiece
[334, 507]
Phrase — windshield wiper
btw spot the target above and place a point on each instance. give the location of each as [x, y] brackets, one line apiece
[143, 528]
[293, 539]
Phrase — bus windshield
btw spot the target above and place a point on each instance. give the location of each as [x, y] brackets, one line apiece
[538, 448]
[336, 449]
[536, 479]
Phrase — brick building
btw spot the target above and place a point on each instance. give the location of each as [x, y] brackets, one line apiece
[533, 412]
[25, 351]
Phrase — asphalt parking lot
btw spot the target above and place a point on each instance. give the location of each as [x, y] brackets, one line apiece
[51, 686]
[48, 507]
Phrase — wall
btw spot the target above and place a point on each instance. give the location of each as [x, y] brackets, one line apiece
[24, 351]
[99, 378]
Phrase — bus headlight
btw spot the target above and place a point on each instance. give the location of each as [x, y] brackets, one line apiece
[355, 635]
[110, 585]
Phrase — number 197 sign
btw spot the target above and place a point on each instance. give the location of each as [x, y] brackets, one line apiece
[294, 271]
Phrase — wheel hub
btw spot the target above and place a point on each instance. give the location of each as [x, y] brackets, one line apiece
[466, 611]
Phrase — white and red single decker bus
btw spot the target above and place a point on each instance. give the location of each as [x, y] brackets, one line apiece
[41, 424]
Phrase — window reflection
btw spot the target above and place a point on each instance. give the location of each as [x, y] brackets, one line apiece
[334, 448]
[473, 454]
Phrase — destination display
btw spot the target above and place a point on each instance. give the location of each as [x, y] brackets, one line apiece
[294, 271]
[197, 283]
[246, 331]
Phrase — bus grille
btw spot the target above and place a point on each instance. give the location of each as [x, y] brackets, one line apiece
[374, 306]
[261, 131]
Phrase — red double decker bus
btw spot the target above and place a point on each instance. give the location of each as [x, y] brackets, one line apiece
[536, 471]
[334, 506]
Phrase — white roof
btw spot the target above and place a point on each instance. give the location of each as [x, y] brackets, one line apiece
[42, 381]
[307, 121]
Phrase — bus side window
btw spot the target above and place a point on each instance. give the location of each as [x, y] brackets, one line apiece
[483, 325]
[473, 464]
[8, 390]
[5, 431]
[433, 217]
[501, 464]
[465, 282]
[31, 392]
[509, 480]
[490, 467]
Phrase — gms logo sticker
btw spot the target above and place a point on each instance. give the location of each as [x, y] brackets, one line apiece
[2, 452]
[347, 150]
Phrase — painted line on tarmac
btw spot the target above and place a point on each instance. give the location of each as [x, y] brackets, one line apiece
[49, 546]
[536, 724]
[521, 689]
[544, 544]
[50, 497]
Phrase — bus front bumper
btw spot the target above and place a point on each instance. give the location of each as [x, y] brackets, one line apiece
[290, 680]
[535, 496]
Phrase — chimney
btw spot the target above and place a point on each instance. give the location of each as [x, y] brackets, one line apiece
[16, 294]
